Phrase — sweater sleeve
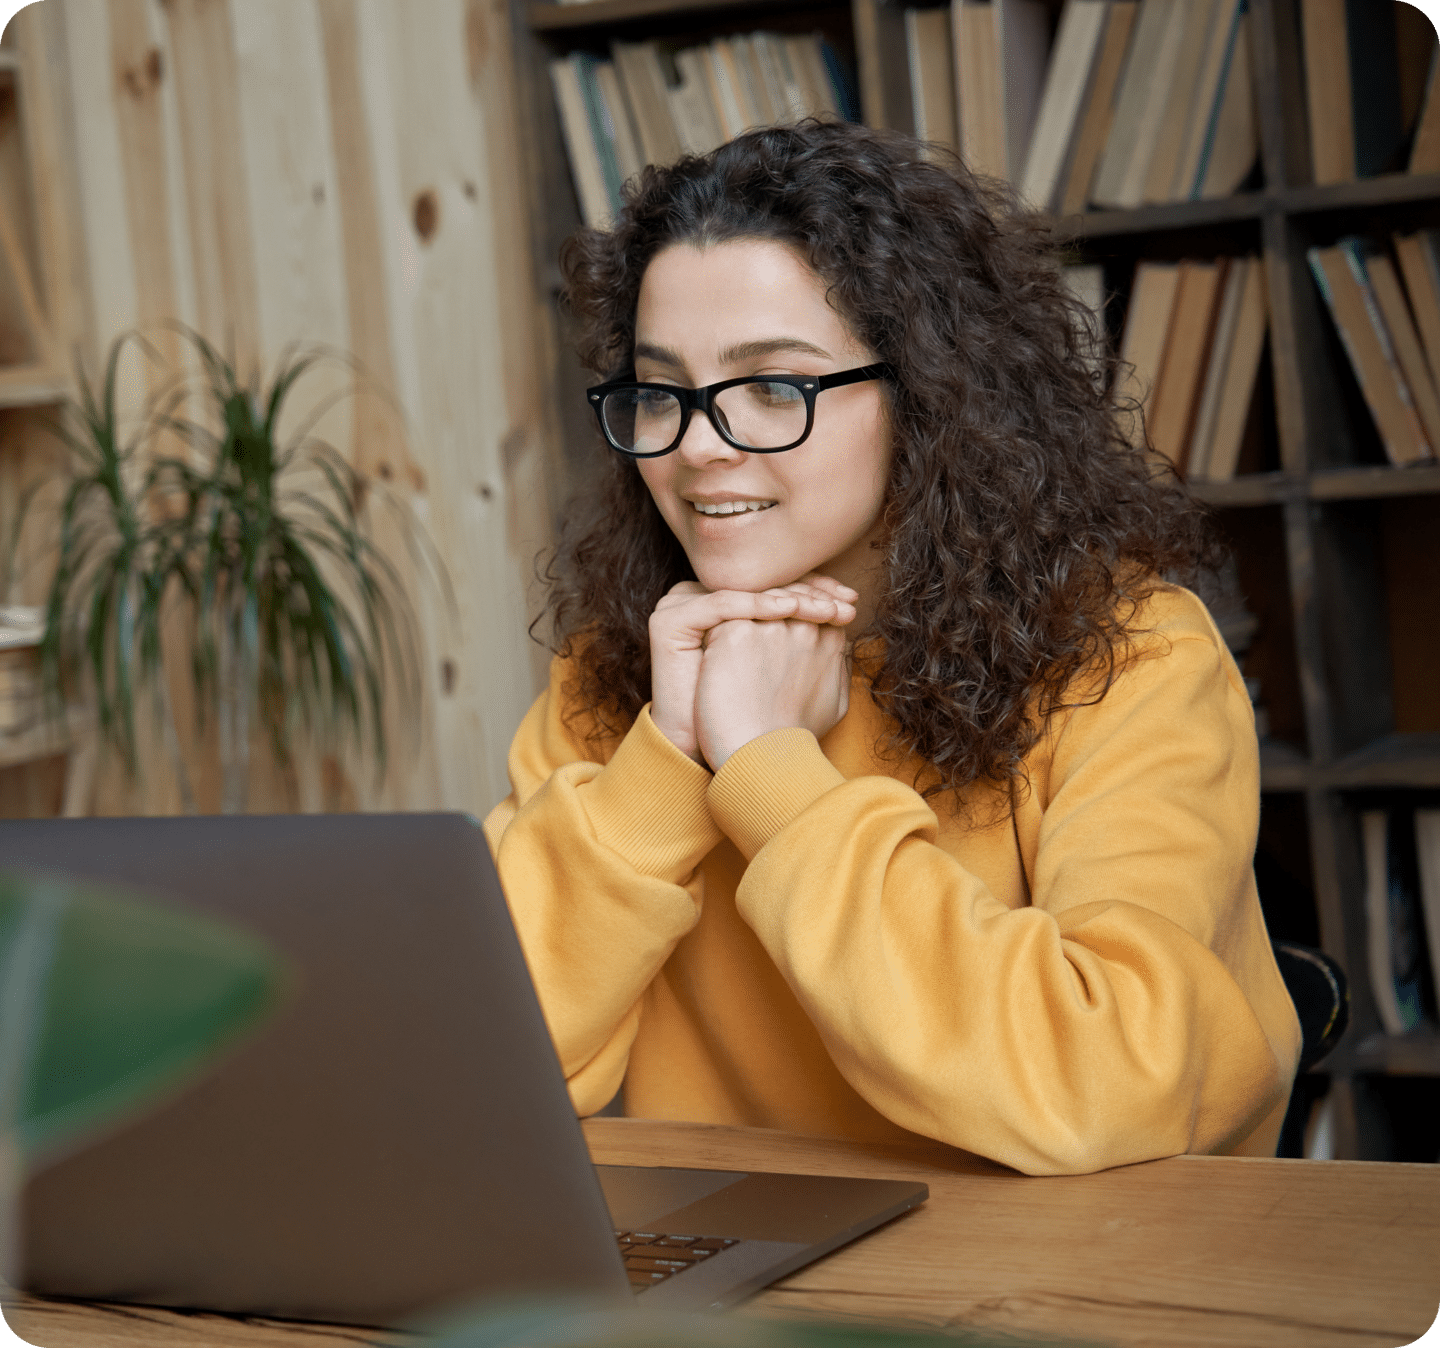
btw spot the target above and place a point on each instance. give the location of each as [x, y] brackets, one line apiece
[1107, 1021]
[600, 866]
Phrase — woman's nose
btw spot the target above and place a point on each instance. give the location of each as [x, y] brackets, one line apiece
[702, 443]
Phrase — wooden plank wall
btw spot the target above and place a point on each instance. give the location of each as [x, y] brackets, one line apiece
[343, 172]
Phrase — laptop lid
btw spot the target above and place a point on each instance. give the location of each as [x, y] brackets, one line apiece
[397, 1138]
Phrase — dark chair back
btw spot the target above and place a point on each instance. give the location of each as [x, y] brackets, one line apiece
[1318, 987]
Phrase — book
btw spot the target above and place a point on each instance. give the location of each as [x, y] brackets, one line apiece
[772, 76]
[1372, 42]
[1420, 266]
[1241, 370]
[1227, 321]
[1406, 340]
[809, 66]
[1396, 957]
[795, 101]
[1217, 63]
[1202, 19]
[1427, 849]
[1147, 327]
[1352, 92]
[1068, 81]
[979, 89]
[1022, 29]
[1232, 141]
[842, 81]
[593, 187]
[1086, 282]
[932, 78]
[1187, 349]
[642, 76]
[1338, 271]
[1099, 109]
[695, 115]
[629, 159]
[1425, 152]
[1154, 49]
[738, 110]
[753, 78]
[1327, 90]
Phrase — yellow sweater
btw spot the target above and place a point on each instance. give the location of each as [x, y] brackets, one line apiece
[801, 941]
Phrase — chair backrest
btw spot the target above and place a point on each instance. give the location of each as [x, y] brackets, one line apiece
[1318, 987]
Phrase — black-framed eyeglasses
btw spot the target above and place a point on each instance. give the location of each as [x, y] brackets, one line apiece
[761, 414]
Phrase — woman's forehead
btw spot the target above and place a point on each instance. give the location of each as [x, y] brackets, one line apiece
[719, 297]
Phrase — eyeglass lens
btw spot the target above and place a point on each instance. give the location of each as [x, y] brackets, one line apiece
[758, 415]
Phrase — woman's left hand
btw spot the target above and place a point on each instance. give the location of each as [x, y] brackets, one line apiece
[756, 677]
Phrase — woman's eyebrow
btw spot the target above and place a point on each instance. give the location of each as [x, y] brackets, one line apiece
[733, 355]
[661, 354]
[769, 347]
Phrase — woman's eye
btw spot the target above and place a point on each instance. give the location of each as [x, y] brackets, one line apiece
[775, 395]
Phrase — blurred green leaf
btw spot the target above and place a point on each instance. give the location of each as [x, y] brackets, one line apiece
[110, 1001]
[562, 1323]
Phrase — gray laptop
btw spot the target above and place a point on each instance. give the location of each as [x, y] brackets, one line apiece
[398, 1139]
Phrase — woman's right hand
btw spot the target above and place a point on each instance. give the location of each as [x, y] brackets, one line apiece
[683, 617]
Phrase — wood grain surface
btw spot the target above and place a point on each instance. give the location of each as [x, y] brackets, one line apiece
[1192, 1252]
[1183, 1253]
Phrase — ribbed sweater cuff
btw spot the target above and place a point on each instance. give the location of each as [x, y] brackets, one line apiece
[648, 804]
[765, 784]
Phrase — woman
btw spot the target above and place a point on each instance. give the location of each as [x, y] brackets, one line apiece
[985, 874]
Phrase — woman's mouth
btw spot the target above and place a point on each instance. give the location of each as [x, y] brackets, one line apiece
[730, 507]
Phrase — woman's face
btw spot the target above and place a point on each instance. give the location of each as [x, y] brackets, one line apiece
[753, 307]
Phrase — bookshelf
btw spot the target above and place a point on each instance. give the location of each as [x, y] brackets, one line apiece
[1333, 544]
[47, 766]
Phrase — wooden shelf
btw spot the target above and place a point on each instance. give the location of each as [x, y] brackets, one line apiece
[1391, 761]
[1250, 489]
[1389, 189]
[1331, 484]
[26, 388]
[1283, 767]
[45, 739]
[1413, 1054]
[552, 17]
[1170, 215]
[1338, 484]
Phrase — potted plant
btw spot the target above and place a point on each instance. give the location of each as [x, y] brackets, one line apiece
[254, 549]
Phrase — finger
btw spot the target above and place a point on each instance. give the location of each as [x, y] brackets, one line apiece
[829, 608]
[685, 620]
[830, 585]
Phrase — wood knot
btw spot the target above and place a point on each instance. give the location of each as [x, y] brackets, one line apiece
[448, 675]
[144, 78]
[427, 214]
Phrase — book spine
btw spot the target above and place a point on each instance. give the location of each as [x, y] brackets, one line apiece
[1354, 255]
[1212, 120]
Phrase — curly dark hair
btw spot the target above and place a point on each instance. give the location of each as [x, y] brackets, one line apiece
[1021, 529]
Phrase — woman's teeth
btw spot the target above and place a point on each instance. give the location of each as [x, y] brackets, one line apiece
[730, 507]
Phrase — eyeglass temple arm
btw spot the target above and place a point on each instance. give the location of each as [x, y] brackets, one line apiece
[880, 370]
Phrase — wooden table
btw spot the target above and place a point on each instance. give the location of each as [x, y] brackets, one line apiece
[1194, 1252]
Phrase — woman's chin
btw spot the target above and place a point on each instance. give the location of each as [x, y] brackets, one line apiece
[751, 579]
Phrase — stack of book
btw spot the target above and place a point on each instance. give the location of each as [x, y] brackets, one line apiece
[1133, 101]
[651, 103]
[1387, 311]
[1402, 910]
[21, 702]
[1192, 345]
[1368, 65]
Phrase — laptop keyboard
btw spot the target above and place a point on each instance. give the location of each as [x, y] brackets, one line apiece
[651, 1256]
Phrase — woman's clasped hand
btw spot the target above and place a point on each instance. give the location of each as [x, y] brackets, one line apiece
[728, 666]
